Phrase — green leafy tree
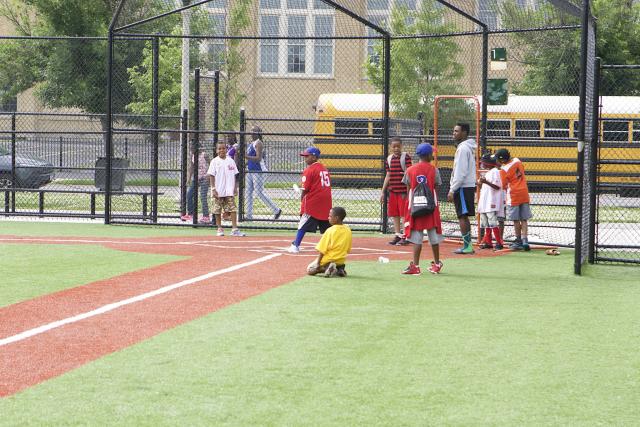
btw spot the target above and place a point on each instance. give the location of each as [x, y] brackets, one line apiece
[141, 77]
[234, 65]
[552, 58]
[68, 73]
[421, 68]
[230, 60]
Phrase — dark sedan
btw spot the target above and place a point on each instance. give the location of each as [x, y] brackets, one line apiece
[30, 172]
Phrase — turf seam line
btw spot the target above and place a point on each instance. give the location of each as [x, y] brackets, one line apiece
[112, 306]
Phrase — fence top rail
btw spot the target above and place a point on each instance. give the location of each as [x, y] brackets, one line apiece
[621, 66]
[100, 115]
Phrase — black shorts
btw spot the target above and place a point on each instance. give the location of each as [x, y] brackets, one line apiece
[464, 199]
[311, 224]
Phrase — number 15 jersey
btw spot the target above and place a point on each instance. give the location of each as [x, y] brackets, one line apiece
[316, 183]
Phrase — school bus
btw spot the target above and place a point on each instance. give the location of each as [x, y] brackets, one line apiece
[540, 130]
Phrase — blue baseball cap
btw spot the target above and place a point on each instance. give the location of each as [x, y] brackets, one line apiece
[311, 151]
[424, 149]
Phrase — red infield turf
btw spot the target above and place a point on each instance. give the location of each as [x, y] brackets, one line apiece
[52, 334]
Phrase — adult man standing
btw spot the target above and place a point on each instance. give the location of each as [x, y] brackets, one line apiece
[462, 186]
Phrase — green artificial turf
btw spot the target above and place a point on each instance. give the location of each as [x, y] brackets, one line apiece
[514, 340]
[31, 270]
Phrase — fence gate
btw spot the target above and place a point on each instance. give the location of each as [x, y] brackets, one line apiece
[617, 226]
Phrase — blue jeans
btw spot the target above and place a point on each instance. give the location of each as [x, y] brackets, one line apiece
[203, 187]
[255, 182]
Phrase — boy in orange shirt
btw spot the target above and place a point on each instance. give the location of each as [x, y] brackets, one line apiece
[518, 209]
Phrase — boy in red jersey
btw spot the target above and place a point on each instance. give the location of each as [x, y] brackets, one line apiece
[518, 209]
[423, 172]
[396, 164]
[315, 200]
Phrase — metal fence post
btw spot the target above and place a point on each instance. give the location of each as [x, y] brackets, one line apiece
[242, 149]
[485, 88]
[60, 153]
[577, 267]
[385, 120]
[13, 162]
[184, 141]
[196, 143]
[595, 141]
[216, 109]
[155, 132]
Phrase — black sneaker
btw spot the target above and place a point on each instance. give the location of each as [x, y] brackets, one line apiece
[395, 240]
[498, 247]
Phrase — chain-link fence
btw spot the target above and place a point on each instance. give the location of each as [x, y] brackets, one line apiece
[343, 76]
[617, 223]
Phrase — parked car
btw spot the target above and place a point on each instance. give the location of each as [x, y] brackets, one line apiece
[30, 171]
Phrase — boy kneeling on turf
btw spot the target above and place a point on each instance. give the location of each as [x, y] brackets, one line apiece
[333, 247]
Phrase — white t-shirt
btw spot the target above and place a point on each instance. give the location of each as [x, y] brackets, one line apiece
[491, 200]
[225, 171]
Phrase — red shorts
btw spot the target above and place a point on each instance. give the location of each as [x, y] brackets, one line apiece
[398, 204]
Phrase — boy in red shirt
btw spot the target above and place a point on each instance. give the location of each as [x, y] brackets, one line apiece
[315, 200]
[396, 164]
[415, 229]
[518, 209]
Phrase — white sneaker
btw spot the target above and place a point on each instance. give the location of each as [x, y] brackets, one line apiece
[293, 249]
[237, 233]
[220, 232]
[331, 270]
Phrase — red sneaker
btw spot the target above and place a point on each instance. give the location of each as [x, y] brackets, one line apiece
[186, 217]
[436, 267]
[412, 269]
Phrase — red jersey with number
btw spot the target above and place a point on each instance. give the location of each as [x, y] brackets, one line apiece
[316, 183]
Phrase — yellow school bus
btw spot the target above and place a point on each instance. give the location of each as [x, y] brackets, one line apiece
[540, 130]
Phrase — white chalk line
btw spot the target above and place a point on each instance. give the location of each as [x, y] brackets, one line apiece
[115, 305]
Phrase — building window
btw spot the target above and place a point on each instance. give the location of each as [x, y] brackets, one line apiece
[636, 131]
[215, 49]
[379, 13]
[298, 55]
[488, 14]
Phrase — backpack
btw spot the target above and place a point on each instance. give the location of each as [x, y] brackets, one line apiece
[423, 202]
[403, 160]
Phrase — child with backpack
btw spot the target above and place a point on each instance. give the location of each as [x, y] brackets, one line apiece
[423, 214]
[397, 202]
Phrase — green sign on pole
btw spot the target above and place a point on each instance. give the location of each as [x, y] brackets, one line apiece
[497, 92]
[499, 54]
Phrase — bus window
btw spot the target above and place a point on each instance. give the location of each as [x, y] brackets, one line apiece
[556, 128]
[498, 128]
[377, 128]
[576, 128]
[636, 131]
[352, 127]
[615, 130]
[528, 128]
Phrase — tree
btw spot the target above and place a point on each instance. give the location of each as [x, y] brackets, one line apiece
[552, 58]
[68, 73]
[230, 59]
[234, 65]
[141, 77]
[421, 68]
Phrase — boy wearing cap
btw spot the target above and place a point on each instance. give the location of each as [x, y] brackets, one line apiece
[315, 199]
[518, 209]
[423, 172]
[490, 202]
